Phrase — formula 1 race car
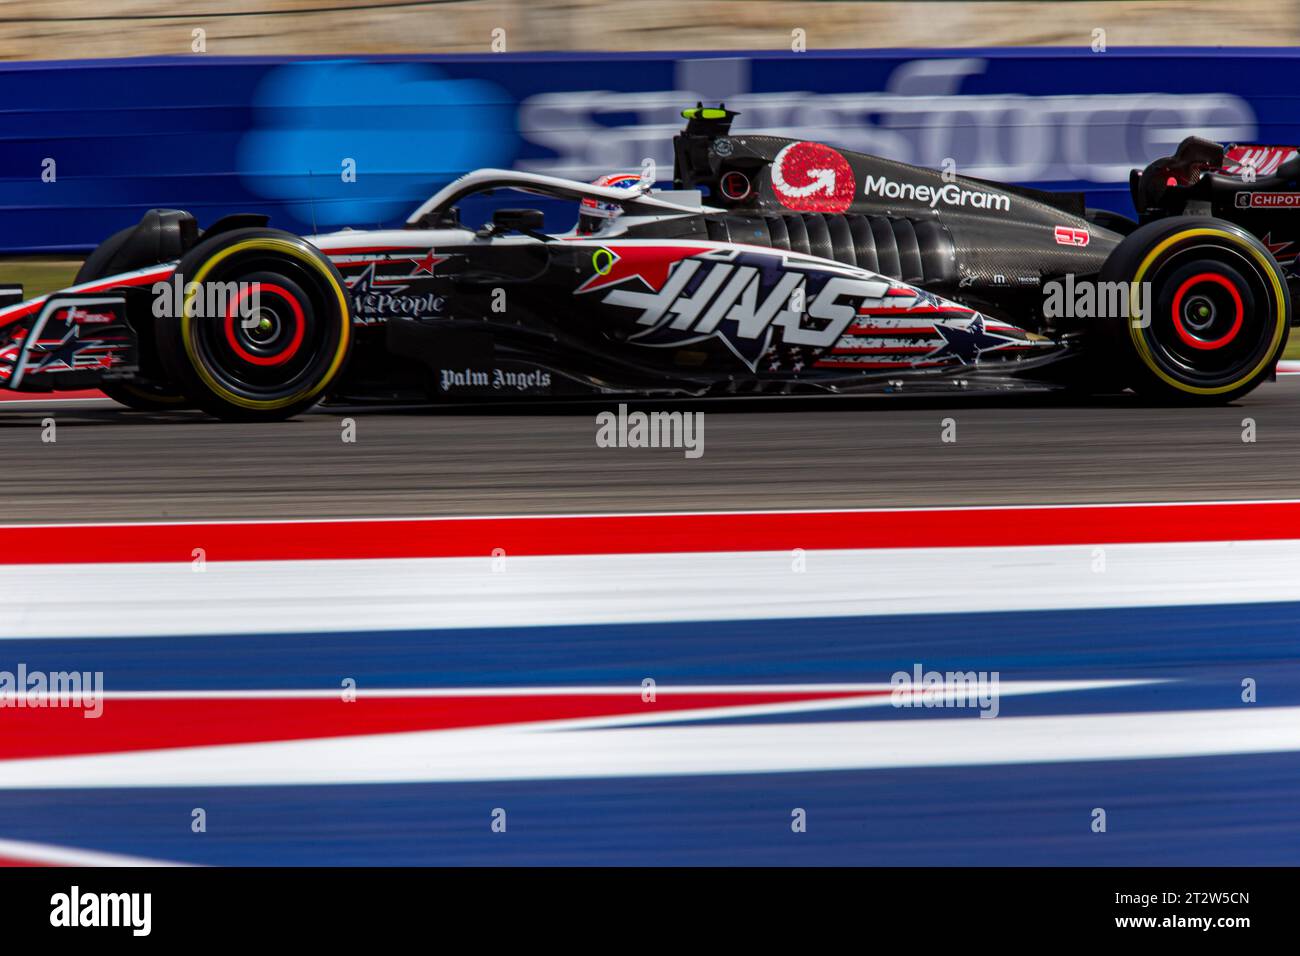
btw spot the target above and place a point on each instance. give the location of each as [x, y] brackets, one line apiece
[774, 266]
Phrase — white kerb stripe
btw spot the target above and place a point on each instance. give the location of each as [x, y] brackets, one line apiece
[527, 754]
[395, 594]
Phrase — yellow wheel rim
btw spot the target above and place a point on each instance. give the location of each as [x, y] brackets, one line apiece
[187, 325]
[1144, 349]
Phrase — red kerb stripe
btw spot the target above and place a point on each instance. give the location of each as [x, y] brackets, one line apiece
[157, 724]
[650, 534]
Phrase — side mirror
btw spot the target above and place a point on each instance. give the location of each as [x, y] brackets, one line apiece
[527, 221]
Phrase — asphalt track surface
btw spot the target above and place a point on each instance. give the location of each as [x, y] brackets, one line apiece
[1189, 775]
[108, 463]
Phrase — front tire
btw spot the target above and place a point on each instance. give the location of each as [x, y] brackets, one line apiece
[142, 395]
[276, 362]
[1219, 310]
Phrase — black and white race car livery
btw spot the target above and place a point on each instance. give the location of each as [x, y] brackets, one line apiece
[774, 266]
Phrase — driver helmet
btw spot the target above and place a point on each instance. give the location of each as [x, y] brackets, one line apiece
[593, 214]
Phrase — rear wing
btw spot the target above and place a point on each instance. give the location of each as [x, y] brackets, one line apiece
[1264, 160]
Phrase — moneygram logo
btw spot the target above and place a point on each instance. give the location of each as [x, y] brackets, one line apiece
[810, 177]
[949, 194]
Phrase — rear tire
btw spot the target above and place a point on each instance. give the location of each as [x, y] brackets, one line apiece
[1219, 312]
[276, 364]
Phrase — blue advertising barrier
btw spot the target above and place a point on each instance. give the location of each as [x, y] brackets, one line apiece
[87, 146]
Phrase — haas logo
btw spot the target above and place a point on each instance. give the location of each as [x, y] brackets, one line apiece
[742, 298]
[810, 177]
[1069, 236]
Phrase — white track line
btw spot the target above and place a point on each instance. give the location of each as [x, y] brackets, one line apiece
[122, 600]
[514, 754]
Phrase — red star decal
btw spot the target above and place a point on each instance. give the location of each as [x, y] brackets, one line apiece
[650, 264]
[1275, 247]
[427, 263]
